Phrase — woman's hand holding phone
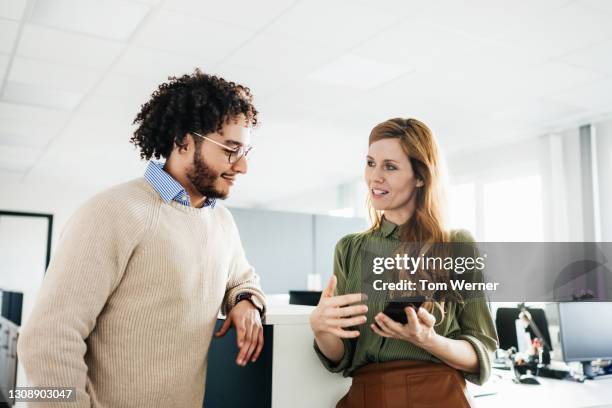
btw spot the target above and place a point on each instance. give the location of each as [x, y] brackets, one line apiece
[336, 314]
[419, 330]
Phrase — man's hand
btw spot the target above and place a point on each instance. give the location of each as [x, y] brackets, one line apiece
[249, 331]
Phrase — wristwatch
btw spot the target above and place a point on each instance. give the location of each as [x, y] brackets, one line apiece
[254, 301]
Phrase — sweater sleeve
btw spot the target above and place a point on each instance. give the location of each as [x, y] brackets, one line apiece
[87, 266]
[349, 344]
[242, 276]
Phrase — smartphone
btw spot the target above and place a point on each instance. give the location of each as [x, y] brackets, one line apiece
[395, 308]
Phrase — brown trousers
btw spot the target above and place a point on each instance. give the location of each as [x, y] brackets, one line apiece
[406, 384]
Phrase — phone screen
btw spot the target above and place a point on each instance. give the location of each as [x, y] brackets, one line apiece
[395, 308]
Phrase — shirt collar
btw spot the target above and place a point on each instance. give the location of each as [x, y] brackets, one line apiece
[388, 229]
[168, 188]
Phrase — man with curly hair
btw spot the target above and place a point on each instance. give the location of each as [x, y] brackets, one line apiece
[128, 306]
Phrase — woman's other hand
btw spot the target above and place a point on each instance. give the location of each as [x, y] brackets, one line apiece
[336, 314]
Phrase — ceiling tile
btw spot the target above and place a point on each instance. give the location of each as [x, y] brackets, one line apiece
[59, 47]
[12, 9]
[131, 88]
[262, 82]
[158, 65]
[8, 35]
[53, 76]
[537, 113]
[489, 19]
[601, 5]
[18, 168]
[186, 34]
[17, 158]
[31, 113]
[549, 78]
[417, 45]
[595, 96]
[102, 140]
[312, 96]
[110, 113]
[279, 54]
[248, 14]
[40, 96]
[114, 19]
[340, 24]
[565, 30]
[597, 58]
[4, 60]
[357, 72]
[406, 8]
[27, 133]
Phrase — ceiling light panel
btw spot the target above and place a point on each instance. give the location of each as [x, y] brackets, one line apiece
[114, 19]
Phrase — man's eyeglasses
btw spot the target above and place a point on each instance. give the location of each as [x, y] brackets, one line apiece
[235, 153]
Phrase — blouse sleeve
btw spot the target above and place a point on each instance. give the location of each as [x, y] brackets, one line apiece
[478, 329]
[340, 271]
[476, 324]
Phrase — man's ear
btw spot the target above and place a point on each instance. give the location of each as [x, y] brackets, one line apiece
[184, 145]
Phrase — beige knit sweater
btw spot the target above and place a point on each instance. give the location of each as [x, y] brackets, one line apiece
[127, 308]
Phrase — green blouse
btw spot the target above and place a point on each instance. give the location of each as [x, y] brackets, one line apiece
[469, 321]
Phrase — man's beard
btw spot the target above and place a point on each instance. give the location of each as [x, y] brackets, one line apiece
[203, 178]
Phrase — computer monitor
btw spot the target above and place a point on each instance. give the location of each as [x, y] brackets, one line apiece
[11, 305]
[304, 297]
[585, 330]
[505, 319]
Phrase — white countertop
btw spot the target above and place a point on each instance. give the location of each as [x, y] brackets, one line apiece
[280, 312]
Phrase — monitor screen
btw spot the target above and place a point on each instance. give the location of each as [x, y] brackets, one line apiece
[585, 329]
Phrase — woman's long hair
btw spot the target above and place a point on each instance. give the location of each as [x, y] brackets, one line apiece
[425, 226]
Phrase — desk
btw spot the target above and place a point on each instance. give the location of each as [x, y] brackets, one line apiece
[289, 374]
[550, 393]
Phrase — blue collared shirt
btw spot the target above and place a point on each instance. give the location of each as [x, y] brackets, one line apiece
[168, 188]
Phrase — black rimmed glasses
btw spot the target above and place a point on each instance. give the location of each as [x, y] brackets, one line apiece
[235, 153]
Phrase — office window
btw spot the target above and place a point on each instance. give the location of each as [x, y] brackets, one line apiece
[462, 207]
[513, 210]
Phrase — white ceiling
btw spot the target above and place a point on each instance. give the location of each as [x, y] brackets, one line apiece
[480, 72]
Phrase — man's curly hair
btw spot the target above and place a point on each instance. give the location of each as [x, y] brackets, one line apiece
[198, 102]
